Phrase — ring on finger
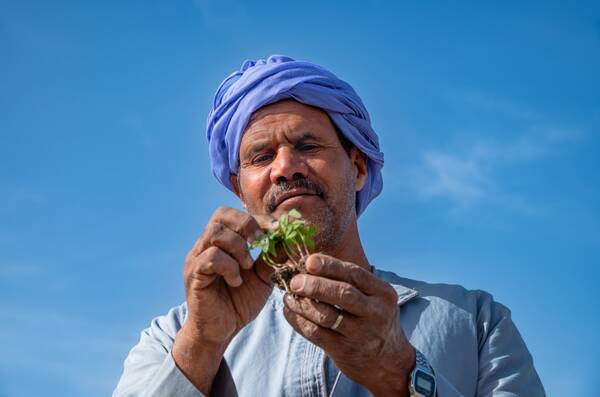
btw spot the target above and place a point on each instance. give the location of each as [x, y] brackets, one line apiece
[338, 321]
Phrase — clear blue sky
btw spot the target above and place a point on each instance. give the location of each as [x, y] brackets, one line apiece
[489, 116]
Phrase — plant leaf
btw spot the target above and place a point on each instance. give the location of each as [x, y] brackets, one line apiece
[292, 231]
[295, 213]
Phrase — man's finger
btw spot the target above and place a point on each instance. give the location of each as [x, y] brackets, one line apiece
[338, 293]
[249, 227]
[266, 222]
[321, 314]
[219, 235]
[318, 335]
[333, 268]
[214, 261]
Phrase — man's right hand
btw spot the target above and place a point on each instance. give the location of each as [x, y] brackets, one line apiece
[225, 290]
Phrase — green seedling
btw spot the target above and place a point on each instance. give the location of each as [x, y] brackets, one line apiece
[295, 239]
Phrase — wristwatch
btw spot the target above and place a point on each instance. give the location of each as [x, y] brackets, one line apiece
[422, 378]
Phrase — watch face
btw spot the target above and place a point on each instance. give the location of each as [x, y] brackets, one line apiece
[424, 384]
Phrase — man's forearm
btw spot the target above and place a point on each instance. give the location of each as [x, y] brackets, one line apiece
[198, 361]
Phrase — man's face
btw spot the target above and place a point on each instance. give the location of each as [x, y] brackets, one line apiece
[291, 157]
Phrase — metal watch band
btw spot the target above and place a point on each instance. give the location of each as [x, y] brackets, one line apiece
[422, 364]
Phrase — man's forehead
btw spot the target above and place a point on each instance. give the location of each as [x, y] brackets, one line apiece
[289, 107]
[290, 117]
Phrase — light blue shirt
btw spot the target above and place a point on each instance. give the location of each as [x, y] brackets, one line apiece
[469, 339]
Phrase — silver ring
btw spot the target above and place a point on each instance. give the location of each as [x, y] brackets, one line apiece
[338, 321]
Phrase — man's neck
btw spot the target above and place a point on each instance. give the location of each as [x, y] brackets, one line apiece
[350, 249]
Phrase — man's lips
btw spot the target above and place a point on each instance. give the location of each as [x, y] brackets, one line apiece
[293, 193]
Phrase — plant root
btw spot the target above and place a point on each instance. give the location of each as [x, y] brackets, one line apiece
[284, 273]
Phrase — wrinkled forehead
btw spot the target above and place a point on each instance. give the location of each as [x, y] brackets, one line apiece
[289, 106]
[290, 115]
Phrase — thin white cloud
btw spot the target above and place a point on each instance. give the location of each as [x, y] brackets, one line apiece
[11, 271]
[442, 174]
[467, 175]
[216, 14]
[30, 276]
[537, 142]
[491, 103]
[21, 197]
[467, 172]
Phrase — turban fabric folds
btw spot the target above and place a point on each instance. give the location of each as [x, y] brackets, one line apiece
[265, 81]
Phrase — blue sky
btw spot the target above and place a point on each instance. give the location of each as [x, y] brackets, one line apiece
[489, 116]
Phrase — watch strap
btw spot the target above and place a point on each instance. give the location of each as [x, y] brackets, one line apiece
[422, 361]
[421, 364]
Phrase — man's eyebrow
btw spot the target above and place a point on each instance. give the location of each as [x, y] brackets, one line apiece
[255, 148]
[307, 136]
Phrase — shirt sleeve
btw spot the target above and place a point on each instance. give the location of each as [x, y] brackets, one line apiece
[505, 365]
[149, 369]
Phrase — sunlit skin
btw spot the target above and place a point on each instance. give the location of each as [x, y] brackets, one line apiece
[286, 141]
[291, 157]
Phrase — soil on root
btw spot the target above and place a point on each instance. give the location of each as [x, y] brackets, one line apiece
[284, 273]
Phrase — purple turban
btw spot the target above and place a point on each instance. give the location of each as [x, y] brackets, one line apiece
[262, 82]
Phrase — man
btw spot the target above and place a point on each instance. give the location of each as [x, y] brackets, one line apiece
[285, 135]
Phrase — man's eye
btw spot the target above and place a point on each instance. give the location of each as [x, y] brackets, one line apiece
[261, 158]
[307, 146]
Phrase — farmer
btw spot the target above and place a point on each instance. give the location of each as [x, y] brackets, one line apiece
[283, 135]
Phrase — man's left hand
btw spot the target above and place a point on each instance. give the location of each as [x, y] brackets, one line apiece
[368, 345]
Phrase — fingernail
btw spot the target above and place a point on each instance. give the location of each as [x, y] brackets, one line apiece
[258, 234]
[297, 283]
[315, 263]
[238, 281]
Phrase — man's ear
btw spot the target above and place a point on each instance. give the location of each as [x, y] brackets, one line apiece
[235, 182]
[360, 163]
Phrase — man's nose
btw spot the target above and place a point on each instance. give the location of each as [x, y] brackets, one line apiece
[287, 165]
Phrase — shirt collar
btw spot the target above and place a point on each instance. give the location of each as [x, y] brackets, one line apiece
[405, 294]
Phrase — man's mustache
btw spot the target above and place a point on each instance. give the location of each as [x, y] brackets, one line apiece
[285, 186]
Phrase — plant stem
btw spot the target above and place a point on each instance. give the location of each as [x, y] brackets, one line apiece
[269, 261]
[303, 253]
[304, 245]
[288, 253]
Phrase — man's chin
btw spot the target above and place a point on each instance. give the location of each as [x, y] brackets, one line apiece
[316, 213]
